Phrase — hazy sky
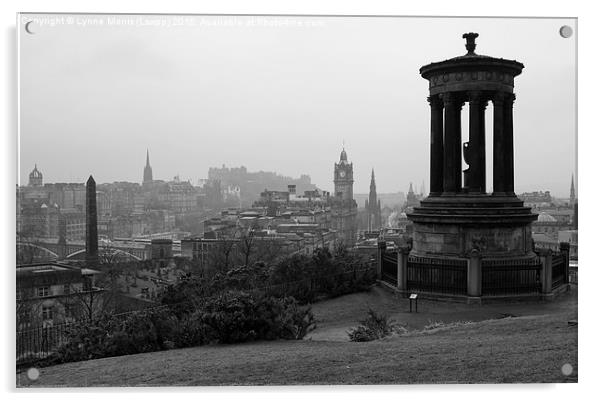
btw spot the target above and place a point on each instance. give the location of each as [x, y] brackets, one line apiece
[276, 94]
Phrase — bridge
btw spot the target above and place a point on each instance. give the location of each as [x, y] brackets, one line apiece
[46, 250]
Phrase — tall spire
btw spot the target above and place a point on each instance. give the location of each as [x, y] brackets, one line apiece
[343, 157]
[147, 177]
[572, 199]
[373, 206]
[572, 186]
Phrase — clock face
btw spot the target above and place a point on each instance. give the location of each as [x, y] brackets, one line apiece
[342, 174]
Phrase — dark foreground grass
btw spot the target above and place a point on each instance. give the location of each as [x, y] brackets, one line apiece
[517, 350]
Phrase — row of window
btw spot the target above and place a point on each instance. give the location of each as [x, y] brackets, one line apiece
[46, 291]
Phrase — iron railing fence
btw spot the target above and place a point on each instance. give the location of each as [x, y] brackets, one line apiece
[559, 269]
[389, 268]
[511, 277]
[445, 276]
[39, 342]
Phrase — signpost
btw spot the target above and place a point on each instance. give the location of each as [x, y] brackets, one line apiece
[413, 297]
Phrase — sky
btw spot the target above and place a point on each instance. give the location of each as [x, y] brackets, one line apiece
[276, 94]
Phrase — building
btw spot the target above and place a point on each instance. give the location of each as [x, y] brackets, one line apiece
[344, 207]
[39, 220]
[548, 225]
[570, 237]
[373, 208]
[50, 293]
[161, 251]
[537, 200]
[75, 224]
[220, 252]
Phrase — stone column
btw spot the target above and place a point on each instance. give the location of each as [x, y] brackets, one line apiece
[436, 183]
[474, 275]
[402, 267]
[91, 223]
[452, 156]
[545, 256]
[509, 145]
[477, 142]
[499, 171]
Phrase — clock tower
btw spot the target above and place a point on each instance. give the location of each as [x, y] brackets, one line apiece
[344, 207]
[343, 178]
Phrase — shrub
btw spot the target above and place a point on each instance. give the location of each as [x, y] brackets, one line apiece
[246, 303]
[142, 331]
[231, 317]
[238, 316]
[374, 327]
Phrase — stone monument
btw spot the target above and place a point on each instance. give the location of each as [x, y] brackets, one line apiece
[91, 223]
[459, 216]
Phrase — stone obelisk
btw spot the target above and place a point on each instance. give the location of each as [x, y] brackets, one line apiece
[91, 223]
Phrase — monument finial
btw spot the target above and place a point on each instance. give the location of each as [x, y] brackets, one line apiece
[470, 41]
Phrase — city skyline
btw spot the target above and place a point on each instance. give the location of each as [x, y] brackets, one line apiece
[228, 91]
[417, 186]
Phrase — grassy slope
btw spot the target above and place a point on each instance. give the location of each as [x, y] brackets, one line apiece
[523, 349]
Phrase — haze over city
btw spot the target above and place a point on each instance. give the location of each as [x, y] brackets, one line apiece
[277, 94]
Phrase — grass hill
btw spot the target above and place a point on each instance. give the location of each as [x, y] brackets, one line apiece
[529, 346]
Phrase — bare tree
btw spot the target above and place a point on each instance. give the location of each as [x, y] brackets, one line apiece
[246, 244]
[221, 252]
[86, 302]
[93, 293]
[253, 248]
[26, 308]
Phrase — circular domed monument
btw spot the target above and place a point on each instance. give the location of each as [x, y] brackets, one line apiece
[459, 215]
[468, 242]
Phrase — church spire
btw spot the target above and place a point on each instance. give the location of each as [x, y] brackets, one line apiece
[572, 196]
[373, 206]
[148, 171]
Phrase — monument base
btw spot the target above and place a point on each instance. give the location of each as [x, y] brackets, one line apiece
[498, 226]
